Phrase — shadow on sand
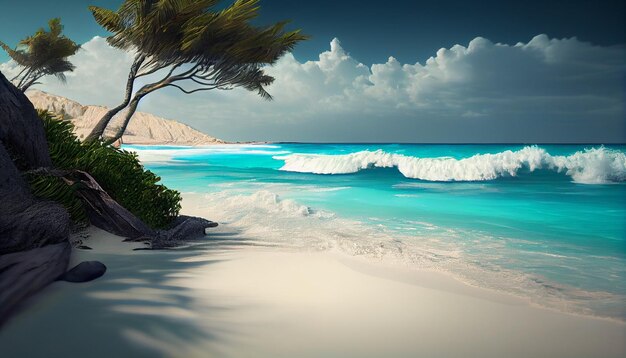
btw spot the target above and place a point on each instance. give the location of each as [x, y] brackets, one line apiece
[142, 307]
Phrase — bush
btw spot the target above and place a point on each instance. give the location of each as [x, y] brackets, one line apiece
[118, 172]
[55, 189]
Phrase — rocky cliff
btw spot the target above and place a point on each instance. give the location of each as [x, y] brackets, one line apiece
[34, 246]
[144, 128]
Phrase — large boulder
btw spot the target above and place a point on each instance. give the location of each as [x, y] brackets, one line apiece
[21, 130]
[25, 222]
[24, 273]
[34, 246]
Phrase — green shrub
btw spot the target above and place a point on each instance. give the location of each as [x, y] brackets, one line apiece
[118, 172]
[55, 189]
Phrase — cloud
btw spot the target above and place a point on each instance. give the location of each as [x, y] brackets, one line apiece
[99, 78]
[540, 91]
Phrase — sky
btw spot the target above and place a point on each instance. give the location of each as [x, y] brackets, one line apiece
[398, 71]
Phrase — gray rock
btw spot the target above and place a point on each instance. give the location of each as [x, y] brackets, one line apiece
[21, 130]
[25, 273]
[25, 222]
[189, 228]
[181, 229]
[34, 246]
[84, 272]
[36, 225]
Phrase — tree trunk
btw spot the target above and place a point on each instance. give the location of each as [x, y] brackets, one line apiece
[98, 131]
[104, 212]
[132, 108]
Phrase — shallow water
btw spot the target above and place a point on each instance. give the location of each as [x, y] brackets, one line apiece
[543, 222]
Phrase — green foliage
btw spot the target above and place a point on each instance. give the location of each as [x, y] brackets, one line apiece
[223, 47]
[118, 172]
[200, 44]
[44, 53]
[55, 189]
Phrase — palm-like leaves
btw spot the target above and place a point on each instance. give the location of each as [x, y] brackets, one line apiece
[119, 173]
[205, 47]
[44, 53]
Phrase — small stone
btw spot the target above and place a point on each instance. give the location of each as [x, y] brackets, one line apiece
[84, 272]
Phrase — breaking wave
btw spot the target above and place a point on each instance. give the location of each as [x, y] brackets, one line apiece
[591, 166]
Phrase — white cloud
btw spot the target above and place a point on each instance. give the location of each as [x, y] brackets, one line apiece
[543, 90]
[99, 77]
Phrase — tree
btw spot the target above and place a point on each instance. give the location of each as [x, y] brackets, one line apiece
[42, 54]
[192, 47]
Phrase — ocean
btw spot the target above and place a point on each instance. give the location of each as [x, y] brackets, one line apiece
[544, 222]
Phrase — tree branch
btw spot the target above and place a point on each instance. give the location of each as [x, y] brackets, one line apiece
[19, 74]
[151, 70]
[193, 91]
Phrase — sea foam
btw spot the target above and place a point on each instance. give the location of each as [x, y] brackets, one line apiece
[263, 217]
[591, 166]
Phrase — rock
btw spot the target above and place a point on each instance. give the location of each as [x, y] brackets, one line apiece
[189, 228]
[39, 224]
[26, 272]
[25, 222]
[84, 272]
[21, 130]
[84, 247]
[181, 229]
[34, 245]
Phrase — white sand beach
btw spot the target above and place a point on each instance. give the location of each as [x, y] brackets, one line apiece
[232, 297]
[440, 179]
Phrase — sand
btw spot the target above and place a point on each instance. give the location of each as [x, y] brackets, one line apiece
[232, 297]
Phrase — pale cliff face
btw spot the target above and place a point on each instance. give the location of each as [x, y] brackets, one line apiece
[144, 128]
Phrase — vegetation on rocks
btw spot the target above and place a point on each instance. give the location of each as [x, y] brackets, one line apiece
[118, 172]
[53, 188]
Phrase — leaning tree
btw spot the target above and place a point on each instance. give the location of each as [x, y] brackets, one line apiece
[191, 46]
[42, 54]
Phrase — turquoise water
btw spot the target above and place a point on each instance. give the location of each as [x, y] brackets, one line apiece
[543, 222]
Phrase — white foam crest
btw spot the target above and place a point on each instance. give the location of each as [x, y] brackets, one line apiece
[268, 202]
[591, 166]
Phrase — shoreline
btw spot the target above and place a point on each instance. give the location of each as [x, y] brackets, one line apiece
[537, 291]
[233, 297]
